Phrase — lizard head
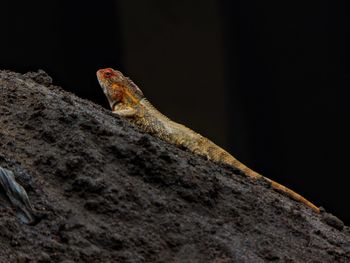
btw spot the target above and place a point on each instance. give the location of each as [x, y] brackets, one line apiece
[118, 88]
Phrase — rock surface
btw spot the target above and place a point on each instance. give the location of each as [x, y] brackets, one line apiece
[113, 194]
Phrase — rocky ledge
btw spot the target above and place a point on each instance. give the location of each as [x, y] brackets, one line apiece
[110, 193]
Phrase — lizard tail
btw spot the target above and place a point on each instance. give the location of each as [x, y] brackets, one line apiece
[297, 197]
[293, 194]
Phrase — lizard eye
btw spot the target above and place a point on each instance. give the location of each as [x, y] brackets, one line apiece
[107, 74]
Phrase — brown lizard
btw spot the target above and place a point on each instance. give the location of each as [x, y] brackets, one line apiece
[128, 101]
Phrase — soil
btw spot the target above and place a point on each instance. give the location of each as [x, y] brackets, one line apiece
[110, 193]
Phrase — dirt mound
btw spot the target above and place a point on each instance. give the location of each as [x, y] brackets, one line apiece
[113, 194]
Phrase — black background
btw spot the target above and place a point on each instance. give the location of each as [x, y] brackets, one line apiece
[268, 81]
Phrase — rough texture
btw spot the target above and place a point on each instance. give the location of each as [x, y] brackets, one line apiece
[113, 194]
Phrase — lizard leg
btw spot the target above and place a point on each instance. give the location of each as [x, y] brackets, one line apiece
[126, 112]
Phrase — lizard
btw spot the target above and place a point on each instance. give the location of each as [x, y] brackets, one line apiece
[127, 100]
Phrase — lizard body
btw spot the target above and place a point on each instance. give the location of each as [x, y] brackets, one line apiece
[128, 101]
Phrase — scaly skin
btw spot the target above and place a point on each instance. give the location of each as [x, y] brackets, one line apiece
[128, 101]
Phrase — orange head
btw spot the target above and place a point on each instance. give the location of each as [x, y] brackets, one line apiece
[118, 88]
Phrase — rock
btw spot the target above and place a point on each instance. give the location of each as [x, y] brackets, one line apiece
[333, 221]
[113, 194]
